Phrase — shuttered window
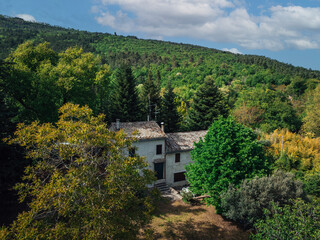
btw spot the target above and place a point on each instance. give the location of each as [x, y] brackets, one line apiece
[179, 177]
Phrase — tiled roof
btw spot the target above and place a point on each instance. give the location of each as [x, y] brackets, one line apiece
[183, 141]
[146, 130]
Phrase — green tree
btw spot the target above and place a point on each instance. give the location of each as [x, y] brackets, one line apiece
[228, 154]
[41, 81]
[126, 103]
[311, 122]
[297, 86]
[82, 79]
[151, 97]
[275, 109]
[297, 222]
[208, 105]
[312, 184]
[32, 92]
[82, 185]
[169, 112]
[12, 162]
[6, 114]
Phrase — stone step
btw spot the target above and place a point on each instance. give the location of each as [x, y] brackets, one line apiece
[160, 184]
[163, 187]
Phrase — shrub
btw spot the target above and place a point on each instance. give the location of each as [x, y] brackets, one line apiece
[187, 195]
[312, 184]
[246, 203]
[299, 221]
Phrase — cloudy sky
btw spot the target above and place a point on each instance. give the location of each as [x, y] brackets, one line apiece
[288, 31]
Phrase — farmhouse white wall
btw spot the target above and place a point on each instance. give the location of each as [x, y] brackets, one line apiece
[172, 167]
[149, 150]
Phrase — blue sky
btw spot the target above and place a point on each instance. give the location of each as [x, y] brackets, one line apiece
[288, 31]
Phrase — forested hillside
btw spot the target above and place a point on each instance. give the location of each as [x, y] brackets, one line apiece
[182, 63]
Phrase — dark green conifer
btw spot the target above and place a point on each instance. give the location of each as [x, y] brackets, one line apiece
[126, 102]
[151, 97]
[169, 113]
[208, 104]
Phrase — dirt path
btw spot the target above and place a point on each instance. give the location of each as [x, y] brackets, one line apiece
[177, 220]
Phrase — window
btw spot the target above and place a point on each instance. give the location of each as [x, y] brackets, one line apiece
[159, 149]
[132, 152]
[177, 159]
[179, 177]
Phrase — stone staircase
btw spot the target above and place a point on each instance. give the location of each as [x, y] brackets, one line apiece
[163, 187]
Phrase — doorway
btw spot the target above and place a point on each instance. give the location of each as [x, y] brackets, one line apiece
[158, 168]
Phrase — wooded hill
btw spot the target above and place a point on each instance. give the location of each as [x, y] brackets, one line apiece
[243, 79]
[183, 64]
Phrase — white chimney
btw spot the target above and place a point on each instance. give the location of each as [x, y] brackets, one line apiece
[162, 126]
[117, 124]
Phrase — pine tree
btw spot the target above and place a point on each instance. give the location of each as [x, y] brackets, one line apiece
[169, 113]
[151, 97]
[126, 102]
[208, 104]
[158, 80]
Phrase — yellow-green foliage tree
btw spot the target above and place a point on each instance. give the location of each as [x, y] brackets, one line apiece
[311, 123]
[300, 152]
[82, 184]
[42, 80]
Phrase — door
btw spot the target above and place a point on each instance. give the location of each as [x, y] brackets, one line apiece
[158, 168]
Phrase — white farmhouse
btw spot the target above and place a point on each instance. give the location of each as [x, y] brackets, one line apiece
[166, 154]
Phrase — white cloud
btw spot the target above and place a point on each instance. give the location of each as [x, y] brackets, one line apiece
[215, 20]
[232, 50]
[26, 17]
[303, 44]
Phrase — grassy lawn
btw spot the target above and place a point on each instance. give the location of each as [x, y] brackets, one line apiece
[178, 220]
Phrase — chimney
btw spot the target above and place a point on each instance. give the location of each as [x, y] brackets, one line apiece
[117, 124]
[162, 126]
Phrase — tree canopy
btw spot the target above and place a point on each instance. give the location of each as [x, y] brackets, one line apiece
[312, 119]
[42, 80]
[270, 110]
[126, 104]
[229, 153]
[82, 184]
[169, 113]
[299, 221]
[208, 105]
[151, 97]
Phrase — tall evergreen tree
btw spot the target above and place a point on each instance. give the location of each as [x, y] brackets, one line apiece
[169, 112]
[208, 104]
[151, 97]
[158, 80]
[126, 101]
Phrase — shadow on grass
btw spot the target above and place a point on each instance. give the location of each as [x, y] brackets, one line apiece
[191, 230]
[167, 207]
[177, 220]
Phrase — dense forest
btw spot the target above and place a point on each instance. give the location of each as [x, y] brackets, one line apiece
[43, 68]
